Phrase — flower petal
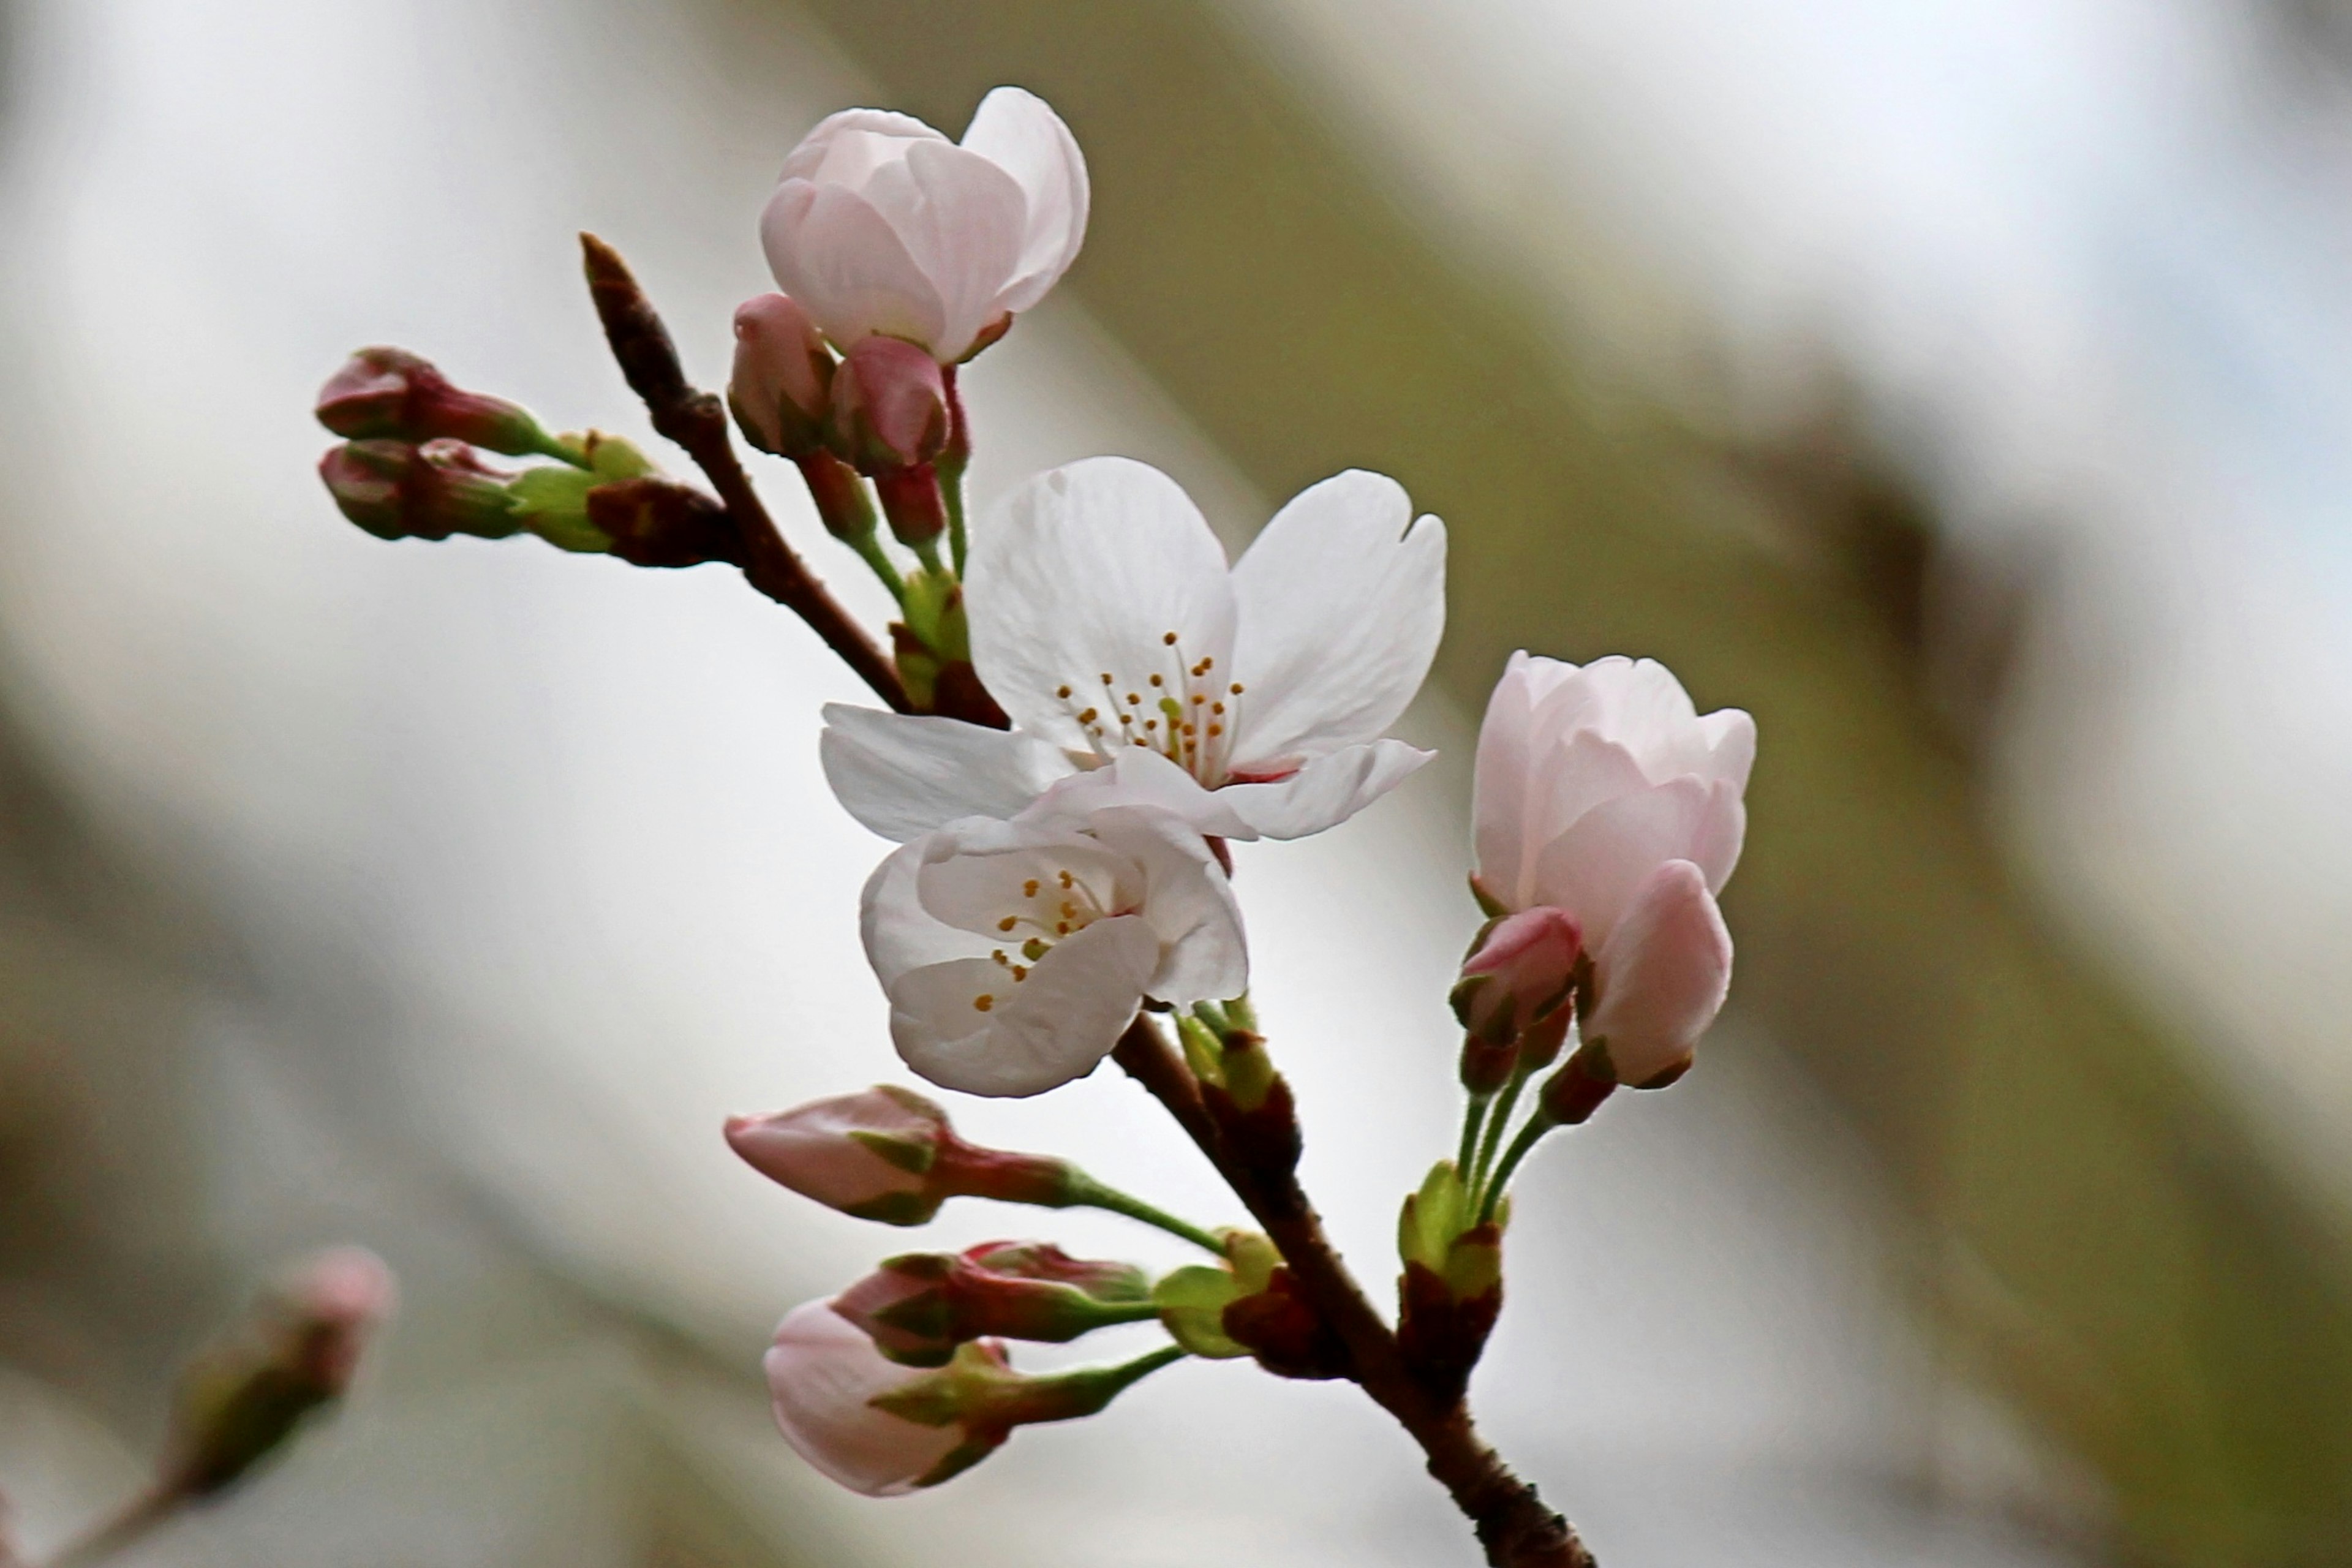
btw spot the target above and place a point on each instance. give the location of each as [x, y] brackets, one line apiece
[1078, 575]
[1662, 977]
[824, 1374]
[976, 881]
[1138, 776]
[904, 775]
[1341, 602]
[834, 252]
[1204, 957]
[1594, 869]
[961, 219]
[1034, 1035]
[1014, 130]
[845, 146]
[1324, 793]
[900, 934]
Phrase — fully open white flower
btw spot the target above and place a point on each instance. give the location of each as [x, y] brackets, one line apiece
[880, 224]
[1250, 701]
[1602, 793]
[1016, 954]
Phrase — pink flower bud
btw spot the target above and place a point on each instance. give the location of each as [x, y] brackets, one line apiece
[885, 1430]
[244, 1397]
[1522, 971]
[919, 1307]
[1660, 981]
[888, 1155]
[889, 406]
[782, 386]
[391, 394]
[823, 1376]
[395, 491]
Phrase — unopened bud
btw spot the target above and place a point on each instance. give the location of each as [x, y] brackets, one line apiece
[388, 394]
[889, 406]
[782, 386]
[395, 491]
[1523, 969]
[299, 1351]
[918, 1307]
[555, 504]
[1572, 1094]
[1192, 1300]
[888, 1155]
[884, 1430]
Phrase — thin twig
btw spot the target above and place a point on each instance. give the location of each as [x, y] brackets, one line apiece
[1514, 1525]
[697, 421]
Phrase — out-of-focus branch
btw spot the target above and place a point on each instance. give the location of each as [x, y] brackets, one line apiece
[1514, 1524]
[697, 421]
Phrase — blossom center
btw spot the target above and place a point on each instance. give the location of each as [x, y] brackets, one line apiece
[1031, 915]
[1188, 712]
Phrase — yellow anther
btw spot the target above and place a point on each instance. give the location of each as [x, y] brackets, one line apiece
[983, 1002]
[1063, 692]
[1029, 888]
[1170, 638]
[1068, 881]
[1156, 682]
[1019, 974]
[1008, 923]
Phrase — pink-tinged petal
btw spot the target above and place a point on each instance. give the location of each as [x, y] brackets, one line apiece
[1188, 903]
[1324, 793]
[904, 775]
[813, 1148]
[845, 146]
[1503, 777]
[841, 258]
[824, 1376]
[1341, 602]
[1576, 775]
[1594, 869]
[1014, 130]
[1081, 572]
[1721, 832]
[1662, 977]
[961, 220]
[1729, 735]
[1033, 1035]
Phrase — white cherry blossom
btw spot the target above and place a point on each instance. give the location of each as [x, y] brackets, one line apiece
[1603, 793]
[881, 225]
[1014, 954]
[1250, 701]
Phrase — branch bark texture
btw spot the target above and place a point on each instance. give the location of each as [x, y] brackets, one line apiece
[1513, 1523]
[697, 421]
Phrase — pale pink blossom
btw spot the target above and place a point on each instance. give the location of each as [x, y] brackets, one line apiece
[1250, 701]
[781, 388]
[1014, 954]
[1602, 793]
[881, 225]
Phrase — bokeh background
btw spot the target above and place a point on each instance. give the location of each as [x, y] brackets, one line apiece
[1964, 389]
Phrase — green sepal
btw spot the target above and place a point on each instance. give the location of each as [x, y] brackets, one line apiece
[1489, 905]
[914, 1159]
[1192, 1302]
[897, 1208]
[1434, 1217]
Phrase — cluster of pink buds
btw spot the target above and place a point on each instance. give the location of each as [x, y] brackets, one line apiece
[1084, 702]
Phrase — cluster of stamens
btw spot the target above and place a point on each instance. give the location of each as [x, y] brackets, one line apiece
[1068, 907]
[1188, 720]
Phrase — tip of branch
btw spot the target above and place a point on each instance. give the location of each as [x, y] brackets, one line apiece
[602, 262]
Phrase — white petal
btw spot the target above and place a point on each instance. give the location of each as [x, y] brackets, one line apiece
[1080, 573]
[832, 252]
[1324, 793]
[1016, 131]
[1341, 603]
[1729, 735]
[1662, 976]
[961, 219]
[975, 888]
[904, 775]
[1138, 776]
[840, 148]
[1504, 776]
[1188, 903]
[1036, 1034]
[1594, 869]
[900, 934]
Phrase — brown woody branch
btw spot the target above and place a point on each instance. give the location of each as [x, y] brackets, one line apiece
[1514, 1525]
[697, 421]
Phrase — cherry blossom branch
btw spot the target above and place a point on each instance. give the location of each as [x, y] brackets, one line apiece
[1513, 1523]
[697, 421]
